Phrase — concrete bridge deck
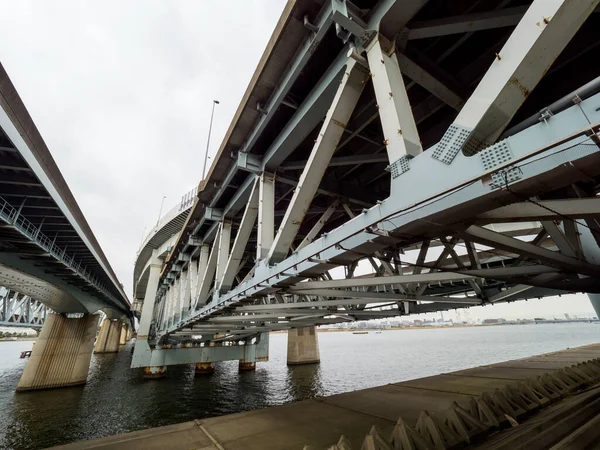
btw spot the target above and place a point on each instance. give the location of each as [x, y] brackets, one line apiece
[320, 422]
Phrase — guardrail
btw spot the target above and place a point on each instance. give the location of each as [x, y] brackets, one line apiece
[188, 199]
[11, 216]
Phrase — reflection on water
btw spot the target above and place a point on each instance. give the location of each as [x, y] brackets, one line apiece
[117, 400]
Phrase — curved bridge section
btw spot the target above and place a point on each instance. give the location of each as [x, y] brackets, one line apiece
[391, 158]
[158, 242]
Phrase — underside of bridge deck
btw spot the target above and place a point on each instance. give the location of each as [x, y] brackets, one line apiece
[391, 158]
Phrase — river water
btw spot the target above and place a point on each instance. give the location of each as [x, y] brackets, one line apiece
[116, 399]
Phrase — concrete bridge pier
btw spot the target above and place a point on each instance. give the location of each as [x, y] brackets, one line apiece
[205, 368]
[124, 334]
[62, 353]
[109, 336]
[303, 346]
[247, 365]
[154, 372]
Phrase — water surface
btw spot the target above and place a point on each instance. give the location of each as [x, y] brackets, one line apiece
[116, 399]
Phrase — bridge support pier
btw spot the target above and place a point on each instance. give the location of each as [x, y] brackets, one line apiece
[303, 346]
[247, 365]
[61, 355]
[108, 338]
[124, 334]
[205, 368]
[153, 372]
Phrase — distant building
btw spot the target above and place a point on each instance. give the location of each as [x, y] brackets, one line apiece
[493, 321]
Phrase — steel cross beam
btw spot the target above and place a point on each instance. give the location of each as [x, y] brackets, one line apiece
[343, 104]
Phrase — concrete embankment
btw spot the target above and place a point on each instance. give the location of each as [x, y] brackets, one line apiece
[320, 422]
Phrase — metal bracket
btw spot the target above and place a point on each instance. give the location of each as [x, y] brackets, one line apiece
[214, 214]
[347, 25]
[496, 155]
[249, 163]
[399, 166]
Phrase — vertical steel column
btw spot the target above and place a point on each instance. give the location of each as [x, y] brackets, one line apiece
[343, 105]
[194, 278]
[241, 240]
[209, 273]
[178, 301]
[400, 134]
[149, 299]
[223, 250]
[201, 269]
[187, 292]
[266, 215]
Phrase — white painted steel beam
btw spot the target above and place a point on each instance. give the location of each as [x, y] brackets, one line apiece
[497, 240]
[576, 208]
[241, 239]
[187, 293]
[331, 132]
[399, 128]
[431, 277]
[266, 215]
[466, 23]
[556, 234]
[316, 229]
[541, 35]
[223, 245]
[349, 160]
[383, 296]
[428, 81]
[208, 275]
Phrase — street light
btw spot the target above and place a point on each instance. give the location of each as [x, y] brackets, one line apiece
[215, 102]
[161, 207]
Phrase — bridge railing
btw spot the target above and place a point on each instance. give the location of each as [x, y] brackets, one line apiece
[11, 216]
[188, 199]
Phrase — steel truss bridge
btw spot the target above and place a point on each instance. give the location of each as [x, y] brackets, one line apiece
[451, 147]
[19, 310]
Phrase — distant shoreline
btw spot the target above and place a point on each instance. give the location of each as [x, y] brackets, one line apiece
[14, 339]
[435, 327]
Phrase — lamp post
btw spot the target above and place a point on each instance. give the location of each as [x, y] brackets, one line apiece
[215, 102]
[161, 207]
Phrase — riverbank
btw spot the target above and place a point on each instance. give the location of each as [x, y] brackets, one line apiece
[13, 339]
[320, 422]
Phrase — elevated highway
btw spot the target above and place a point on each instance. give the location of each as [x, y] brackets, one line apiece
[48, 249]
[49, 255]
[450, 147]
[157, 244]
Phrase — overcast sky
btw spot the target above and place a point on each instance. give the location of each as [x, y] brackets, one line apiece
[121, 92]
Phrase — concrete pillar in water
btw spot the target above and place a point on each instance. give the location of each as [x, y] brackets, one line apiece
[129, 334]
[303, 346]
[247, 365]
[124, 332]
[153, 372]
[205, 368]
[108, 338]
[61, 355]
